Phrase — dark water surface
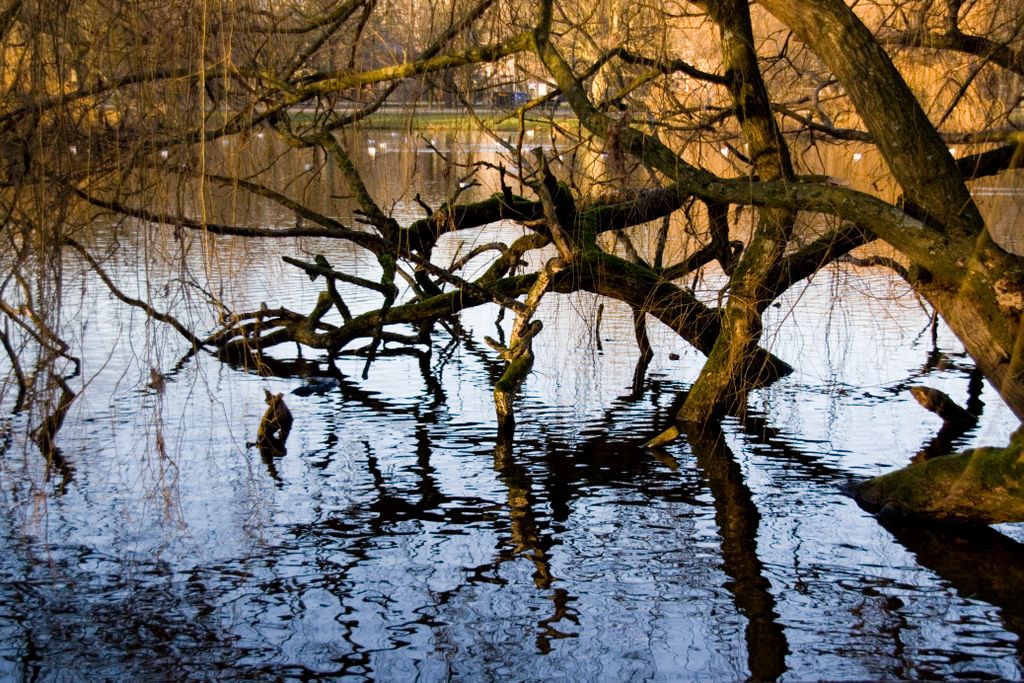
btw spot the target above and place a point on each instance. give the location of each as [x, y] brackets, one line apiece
[397, 541]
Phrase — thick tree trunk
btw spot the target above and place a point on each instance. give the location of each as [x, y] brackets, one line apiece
[722, 385]
[977, 287]
[916, 154]
[677, 308]
[985, 312]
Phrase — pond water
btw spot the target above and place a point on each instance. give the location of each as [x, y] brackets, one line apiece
[396, 540]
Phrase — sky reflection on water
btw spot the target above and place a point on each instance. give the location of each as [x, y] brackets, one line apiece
[398, 540]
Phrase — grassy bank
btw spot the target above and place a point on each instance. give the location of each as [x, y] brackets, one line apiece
[450, 120]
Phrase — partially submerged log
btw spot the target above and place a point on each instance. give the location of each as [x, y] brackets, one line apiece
[980, 486]
[275, 426]
[518, 354]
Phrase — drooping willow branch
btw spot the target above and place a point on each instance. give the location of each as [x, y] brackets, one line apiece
[46, 338]
[56, 101]
[131, 301]
[903, 231]
[368, 240]
[331, 24]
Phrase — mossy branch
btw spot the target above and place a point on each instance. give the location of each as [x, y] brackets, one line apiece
[980, 486]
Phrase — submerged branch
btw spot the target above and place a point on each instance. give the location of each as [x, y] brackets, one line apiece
[41, 333]
[518, 354]
[298, 208]
[44, 435]
[321, 267]
[339, 81]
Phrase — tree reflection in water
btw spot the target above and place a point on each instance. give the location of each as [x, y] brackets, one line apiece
[738, 519]
[398, 539]
[979, 562]
[530, 541]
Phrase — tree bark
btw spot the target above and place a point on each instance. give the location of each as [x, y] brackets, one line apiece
[976, 287]
[916, 154]
[722, 386]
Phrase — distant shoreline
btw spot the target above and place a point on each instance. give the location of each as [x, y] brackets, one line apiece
[420, 117]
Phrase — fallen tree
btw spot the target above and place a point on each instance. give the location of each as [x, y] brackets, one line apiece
[668, 144]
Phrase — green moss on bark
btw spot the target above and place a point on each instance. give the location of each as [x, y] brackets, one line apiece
[981, 486]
